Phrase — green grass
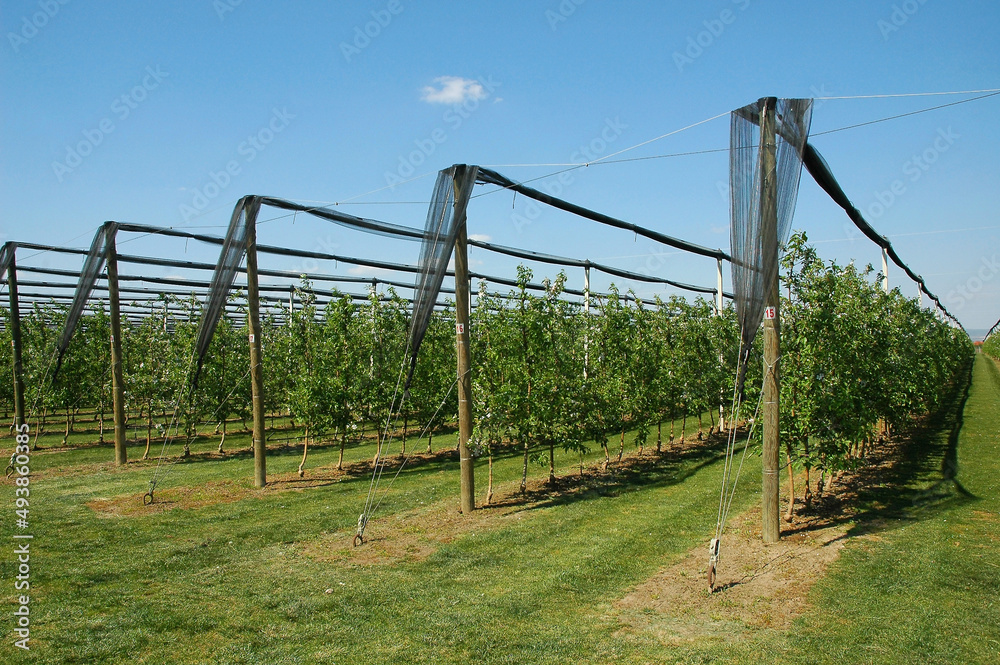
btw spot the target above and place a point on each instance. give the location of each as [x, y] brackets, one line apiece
[229, 583]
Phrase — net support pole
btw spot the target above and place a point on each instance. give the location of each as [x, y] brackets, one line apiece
[772, 329]
[462, 301]
[15, 340]
[885, 270]
[586, 313]
[256, 360]
[117, 376]
[718, 287]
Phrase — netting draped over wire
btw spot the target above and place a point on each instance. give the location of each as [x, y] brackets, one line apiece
[92, 267]
[233, 249]
[445, 218]
[755, 265]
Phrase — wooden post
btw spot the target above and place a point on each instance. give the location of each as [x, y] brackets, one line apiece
[117, 377]
[15, 340]
[256, 360]
[462, 303]
[772, 329]
[885, 270]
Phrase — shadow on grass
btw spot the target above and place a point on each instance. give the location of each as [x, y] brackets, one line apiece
[910, 478]
[633, 473]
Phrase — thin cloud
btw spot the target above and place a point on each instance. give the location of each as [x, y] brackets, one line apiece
[452, 90]
[366, 271]
[481, 237]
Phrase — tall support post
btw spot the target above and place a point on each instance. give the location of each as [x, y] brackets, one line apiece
[15, 339]
[718, 287]
[885, 270]
[772, 328]
[256, 359]
[586, 317]
[462, 301]
[117, 376]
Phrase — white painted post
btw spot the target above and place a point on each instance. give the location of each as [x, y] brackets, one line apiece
[885, 270]
[718, 291]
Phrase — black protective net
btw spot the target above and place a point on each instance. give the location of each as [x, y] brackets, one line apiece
[754, 262]
[92, 267]
[6, 256]
[233, 250]
[445, 216]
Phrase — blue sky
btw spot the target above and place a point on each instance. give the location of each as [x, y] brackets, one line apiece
[297, 101]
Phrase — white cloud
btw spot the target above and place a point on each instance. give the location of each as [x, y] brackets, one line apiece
[452, 90]
[367, 271]
[481, 237]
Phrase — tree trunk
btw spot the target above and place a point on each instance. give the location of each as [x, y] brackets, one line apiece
[552, 463]
[305, 452]
[659, 436]
[807, 496]
[149, 432]
[489, 487]
[701, 426]
[343, 444]
[684, 422]
[430, 437]
[791, 482]
[406, 422]
[711, 419]
[607, 455]
[69, 428]
[621, 445]
[524, 470]
[222, 441]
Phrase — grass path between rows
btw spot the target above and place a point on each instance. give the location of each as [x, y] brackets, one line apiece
[259, 579]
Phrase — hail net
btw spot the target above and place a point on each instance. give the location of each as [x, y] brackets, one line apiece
[754, 264]
[445, 217]
[233, 251]
[92, 267]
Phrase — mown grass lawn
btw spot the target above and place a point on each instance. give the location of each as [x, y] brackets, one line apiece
[245, 581]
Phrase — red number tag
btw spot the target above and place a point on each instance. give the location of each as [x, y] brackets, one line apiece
[768, 313]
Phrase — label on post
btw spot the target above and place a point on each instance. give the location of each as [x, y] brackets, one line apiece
[768, 313]
[251, 338]
[460, 328]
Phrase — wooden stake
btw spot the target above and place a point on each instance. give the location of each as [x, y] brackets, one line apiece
[256, 359]
[15, 337]
[462, 300]
[772, 387]
[117, 378]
